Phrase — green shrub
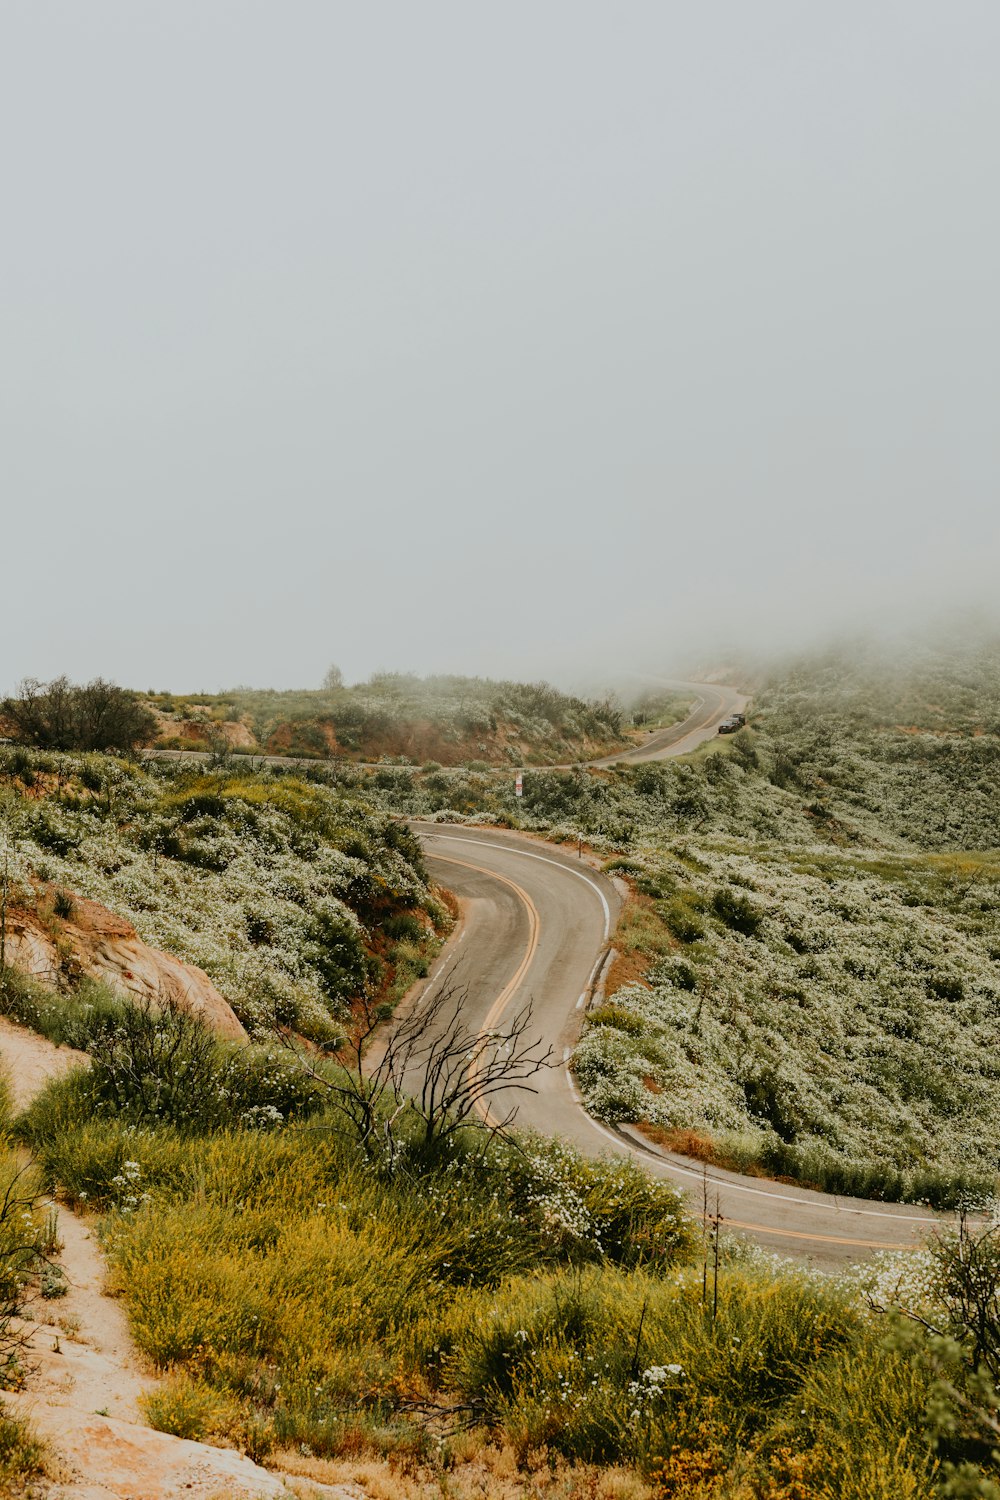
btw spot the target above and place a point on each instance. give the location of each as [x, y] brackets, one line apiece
[149, 1064]
[737, 911]
[25, 1239]
[6, 1102]
[23, 1456]
[338, 955]
[63, 904]
[404, 927]
[678, 972]
[61, 1108]
[587, 1209]
[164, 1064]
[187, 1407]
[682, 920]
[60, 715]
[68, 1020]
[52, 1282]
[817, 1164]
[618, 1017]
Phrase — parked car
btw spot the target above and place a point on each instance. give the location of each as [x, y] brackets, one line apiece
[734, 722]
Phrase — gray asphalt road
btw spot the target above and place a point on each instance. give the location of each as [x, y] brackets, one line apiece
[536, 923]
[713, 704]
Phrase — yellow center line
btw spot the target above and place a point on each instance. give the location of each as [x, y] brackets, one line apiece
[505, 996]
[803, 1234]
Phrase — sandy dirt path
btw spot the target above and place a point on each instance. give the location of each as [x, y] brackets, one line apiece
[31, 1060]
[87, 1376]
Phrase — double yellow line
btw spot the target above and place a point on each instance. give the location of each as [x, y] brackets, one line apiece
[505, 996]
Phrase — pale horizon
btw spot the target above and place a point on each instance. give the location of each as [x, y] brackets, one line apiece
[558, 342]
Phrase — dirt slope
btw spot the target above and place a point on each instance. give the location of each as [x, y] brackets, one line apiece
[96, 942]
[30, 1060]
[87, 1376]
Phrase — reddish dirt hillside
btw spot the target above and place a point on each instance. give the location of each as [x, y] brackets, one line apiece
[92, 941]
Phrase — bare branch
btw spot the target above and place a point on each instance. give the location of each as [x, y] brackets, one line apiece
[432, 1067]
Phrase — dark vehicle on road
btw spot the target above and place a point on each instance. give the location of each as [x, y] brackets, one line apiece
[734, 722]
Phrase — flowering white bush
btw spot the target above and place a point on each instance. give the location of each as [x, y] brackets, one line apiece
[857, 1021]
[651, 1386]
[275, 888]
[126, 1188]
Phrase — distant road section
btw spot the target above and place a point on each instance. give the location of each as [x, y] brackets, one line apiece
[712, 706]
[714, 703]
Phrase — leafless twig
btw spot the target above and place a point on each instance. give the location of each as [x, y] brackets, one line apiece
[433, 1066]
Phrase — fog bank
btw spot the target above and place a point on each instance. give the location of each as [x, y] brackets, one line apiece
[540, 341]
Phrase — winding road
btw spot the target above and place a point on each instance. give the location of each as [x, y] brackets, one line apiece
[713, 703]
[536, 924]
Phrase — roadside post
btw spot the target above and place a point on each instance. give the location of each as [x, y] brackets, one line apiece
[519, 785]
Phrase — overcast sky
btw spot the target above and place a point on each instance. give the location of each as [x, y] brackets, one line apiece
[530, 338]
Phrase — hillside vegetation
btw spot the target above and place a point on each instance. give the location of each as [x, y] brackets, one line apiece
[295, 898]
[329, 1295]
[810, 982]
[450, 720]
[313, 1299]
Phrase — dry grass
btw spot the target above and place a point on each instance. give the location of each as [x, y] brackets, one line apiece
[691, 1143]
[640, 937]
[448, 900]
[701, 1146]
[473, 1469]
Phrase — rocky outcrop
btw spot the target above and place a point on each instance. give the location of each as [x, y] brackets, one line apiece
[107, 1459]
[92, 941]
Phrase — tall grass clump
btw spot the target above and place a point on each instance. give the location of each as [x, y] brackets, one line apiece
[772, 1376]
[24, 1457]
[69, 1020]
[25, 1242]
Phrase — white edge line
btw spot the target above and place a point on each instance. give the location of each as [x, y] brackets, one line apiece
[577, 1100]
[737, 1187]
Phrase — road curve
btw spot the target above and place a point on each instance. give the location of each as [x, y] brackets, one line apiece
[536, 923]
[713, 703]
